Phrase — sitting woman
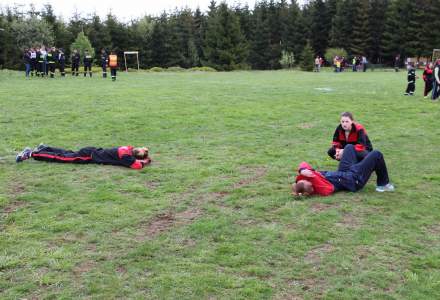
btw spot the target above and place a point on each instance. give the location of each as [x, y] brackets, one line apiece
[349, 132]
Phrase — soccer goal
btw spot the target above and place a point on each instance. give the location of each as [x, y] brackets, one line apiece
[136, 53]
[435, 54]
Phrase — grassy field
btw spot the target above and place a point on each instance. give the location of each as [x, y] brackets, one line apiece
[212, 217]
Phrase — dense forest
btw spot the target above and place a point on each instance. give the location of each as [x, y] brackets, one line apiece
[271, 35]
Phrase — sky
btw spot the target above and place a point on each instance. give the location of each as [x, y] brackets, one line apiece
[125, 10]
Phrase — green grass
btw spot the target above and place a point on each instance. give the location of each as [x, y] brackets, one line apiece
[212, 217]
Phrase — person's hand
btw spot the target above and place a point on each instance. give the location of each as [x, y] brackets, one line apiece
[307, 173]
[338, 154]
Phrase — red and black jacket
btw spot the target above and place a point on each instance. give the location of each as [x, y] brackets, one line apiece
[357, 137]
[428, 74]
[122, 156]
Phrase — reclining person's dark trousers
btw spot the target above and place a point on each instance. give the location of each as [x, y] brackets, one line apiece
[53, 154]
[353, 176]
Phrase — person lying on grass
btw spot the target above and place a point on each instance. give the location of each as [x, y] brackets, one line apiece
[127, 156]
[350, 176]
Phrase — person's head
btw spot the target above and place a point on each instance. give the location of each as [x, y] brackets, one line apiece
[346, 120]
[102, 50]
[75, 51]
[302, 188]
[140, 152]
[430, 65]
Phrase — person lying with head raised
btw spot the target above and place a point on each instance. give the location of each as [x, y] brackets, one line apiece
[127, 156]
[350, 176]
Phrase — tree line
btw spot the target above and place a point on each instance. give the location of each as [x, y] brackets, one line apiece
[271, 35]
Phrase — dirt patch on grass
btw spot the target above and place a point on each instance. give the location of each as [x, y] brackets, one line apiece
[152, 185]
[320, 207]
[121, 270]
[84, 267]
[305, 125]
[315, 255]
[349, 221]
[434, 229]
[165, 221]
[13, 206]
[255, 175]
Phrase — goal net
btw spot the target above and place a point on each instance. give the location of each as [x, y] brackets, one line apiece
[132, 56]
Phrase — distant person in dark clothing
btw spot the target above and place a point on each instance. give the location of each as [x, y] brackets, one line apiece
[87, 63]
[75, 62]
[27, 61]
[411, 87]
[428, 77]
[61, 62]
[351, 175]
[350, 132]
[104, 62]
[396, 63]
[127, 156]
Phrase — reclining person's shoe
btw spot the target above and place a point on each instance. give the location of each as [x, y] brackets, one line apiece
[23, 155]
[385, 188]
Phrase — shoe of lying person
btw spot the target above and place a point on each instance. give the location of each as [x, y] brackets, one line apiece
[385, 188]
[23, 155]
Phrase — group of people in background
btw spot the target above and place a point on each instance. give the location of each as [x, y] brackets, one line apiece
[358, 63]
[340, 63]
[431, 77]
[43, 61]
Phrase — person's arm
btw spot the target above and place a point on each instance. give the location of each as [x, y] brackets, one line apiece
[436, 71]
[336, 143]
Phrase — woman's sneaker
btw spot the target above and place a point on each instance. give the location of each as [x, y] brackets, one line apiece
[23, 155]
[385, 188]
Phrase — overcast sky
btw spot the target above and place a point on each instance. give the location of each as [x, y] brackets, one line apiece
[123, 9]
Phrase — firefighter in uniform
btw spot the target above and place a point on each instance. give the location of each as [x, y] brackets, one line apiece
[104, 62]
[41, 58]
[113, 64]
[87, 63]
[61, 62]
[75, 62]
[51, 61]
[33, 62]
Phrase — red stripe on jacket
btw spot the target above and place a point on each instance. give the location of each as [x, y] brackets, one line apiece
[62, 158]
[321, 186]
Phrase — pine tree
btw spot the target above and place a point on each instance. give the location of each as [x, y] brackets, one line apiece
[307, 62]
[394, 34]
[361, 38]
[320, 27]
[342, 21]
[260, 43]
[82, 43]
[376, 28]
[199, 34]
[225, 46]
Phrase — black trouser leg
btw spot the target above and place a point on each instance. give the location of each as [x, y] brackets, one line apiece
[52, 154]
[348, 159]
[113, 72]
[373, 162]
[428, 87]
[104, 71]
[410, 88]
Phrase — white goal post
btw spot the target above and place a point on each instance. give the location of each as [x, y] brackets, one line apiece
[435, 54]
[131, 53]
